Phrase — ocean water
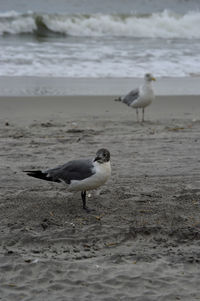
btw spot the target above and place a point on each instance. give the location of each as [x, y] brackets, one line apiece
[100, 39]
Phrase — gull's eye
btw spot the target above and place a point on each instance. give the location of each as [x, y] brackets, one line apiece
[105, 155]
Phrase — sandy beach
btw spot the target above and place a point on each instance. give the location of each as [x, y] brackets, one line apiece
[142, 242]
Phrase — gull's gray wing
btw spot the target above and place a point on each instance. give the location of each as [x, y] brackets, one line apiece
[73, 170]
[131, 96]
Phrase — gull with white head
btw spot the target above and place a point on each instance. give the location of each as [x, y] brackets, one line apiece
[141, 97]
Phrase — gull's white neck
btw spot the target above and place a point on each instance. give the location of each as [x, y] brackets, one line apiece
[148, 83]
[103, 167]
[147, 87]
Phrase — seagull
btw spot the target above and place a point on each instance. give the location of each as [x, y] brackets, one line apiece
[79, 175]
[141, 97]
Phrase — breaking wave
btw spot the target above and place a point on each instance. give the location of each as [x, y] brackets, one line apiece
[157, 25]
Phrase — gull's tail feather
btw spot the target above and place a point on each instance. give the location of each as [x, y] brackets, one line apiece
[41, 175]
[118, 99]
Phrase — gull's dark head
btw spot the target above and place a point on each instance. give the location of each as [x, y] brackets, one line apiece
[149, 77]
[102, 156]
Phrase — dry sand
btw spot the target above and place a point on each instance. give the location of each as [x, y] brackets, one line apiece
[143, 240]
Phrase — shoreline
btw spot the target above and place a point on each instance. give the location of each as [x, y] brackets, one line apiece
[54, 86]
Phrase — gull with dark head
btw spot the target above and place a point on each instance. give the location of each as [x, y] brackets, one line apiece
[141, 97]
[79, 175]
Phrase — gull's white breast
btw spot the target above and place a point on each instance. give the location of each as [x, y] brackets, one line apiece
[101, 175]
[146, 96]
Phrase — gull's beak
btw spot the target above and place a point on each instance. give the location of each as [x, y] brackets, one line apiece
[97, 158]
[153, 78]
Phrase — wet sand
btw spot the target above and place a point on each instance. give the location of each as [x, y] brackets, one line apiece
[62, 86]
[142, 242]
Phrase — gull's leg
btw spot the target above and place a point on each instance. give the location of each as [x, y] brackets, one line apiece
[142, 114]
[83, 196]
[137, 114]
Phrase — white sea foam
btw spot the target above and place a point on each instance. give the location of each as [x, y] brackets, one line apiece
[93, 63]
[9, 14]
[157, 25]
[165, 44]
